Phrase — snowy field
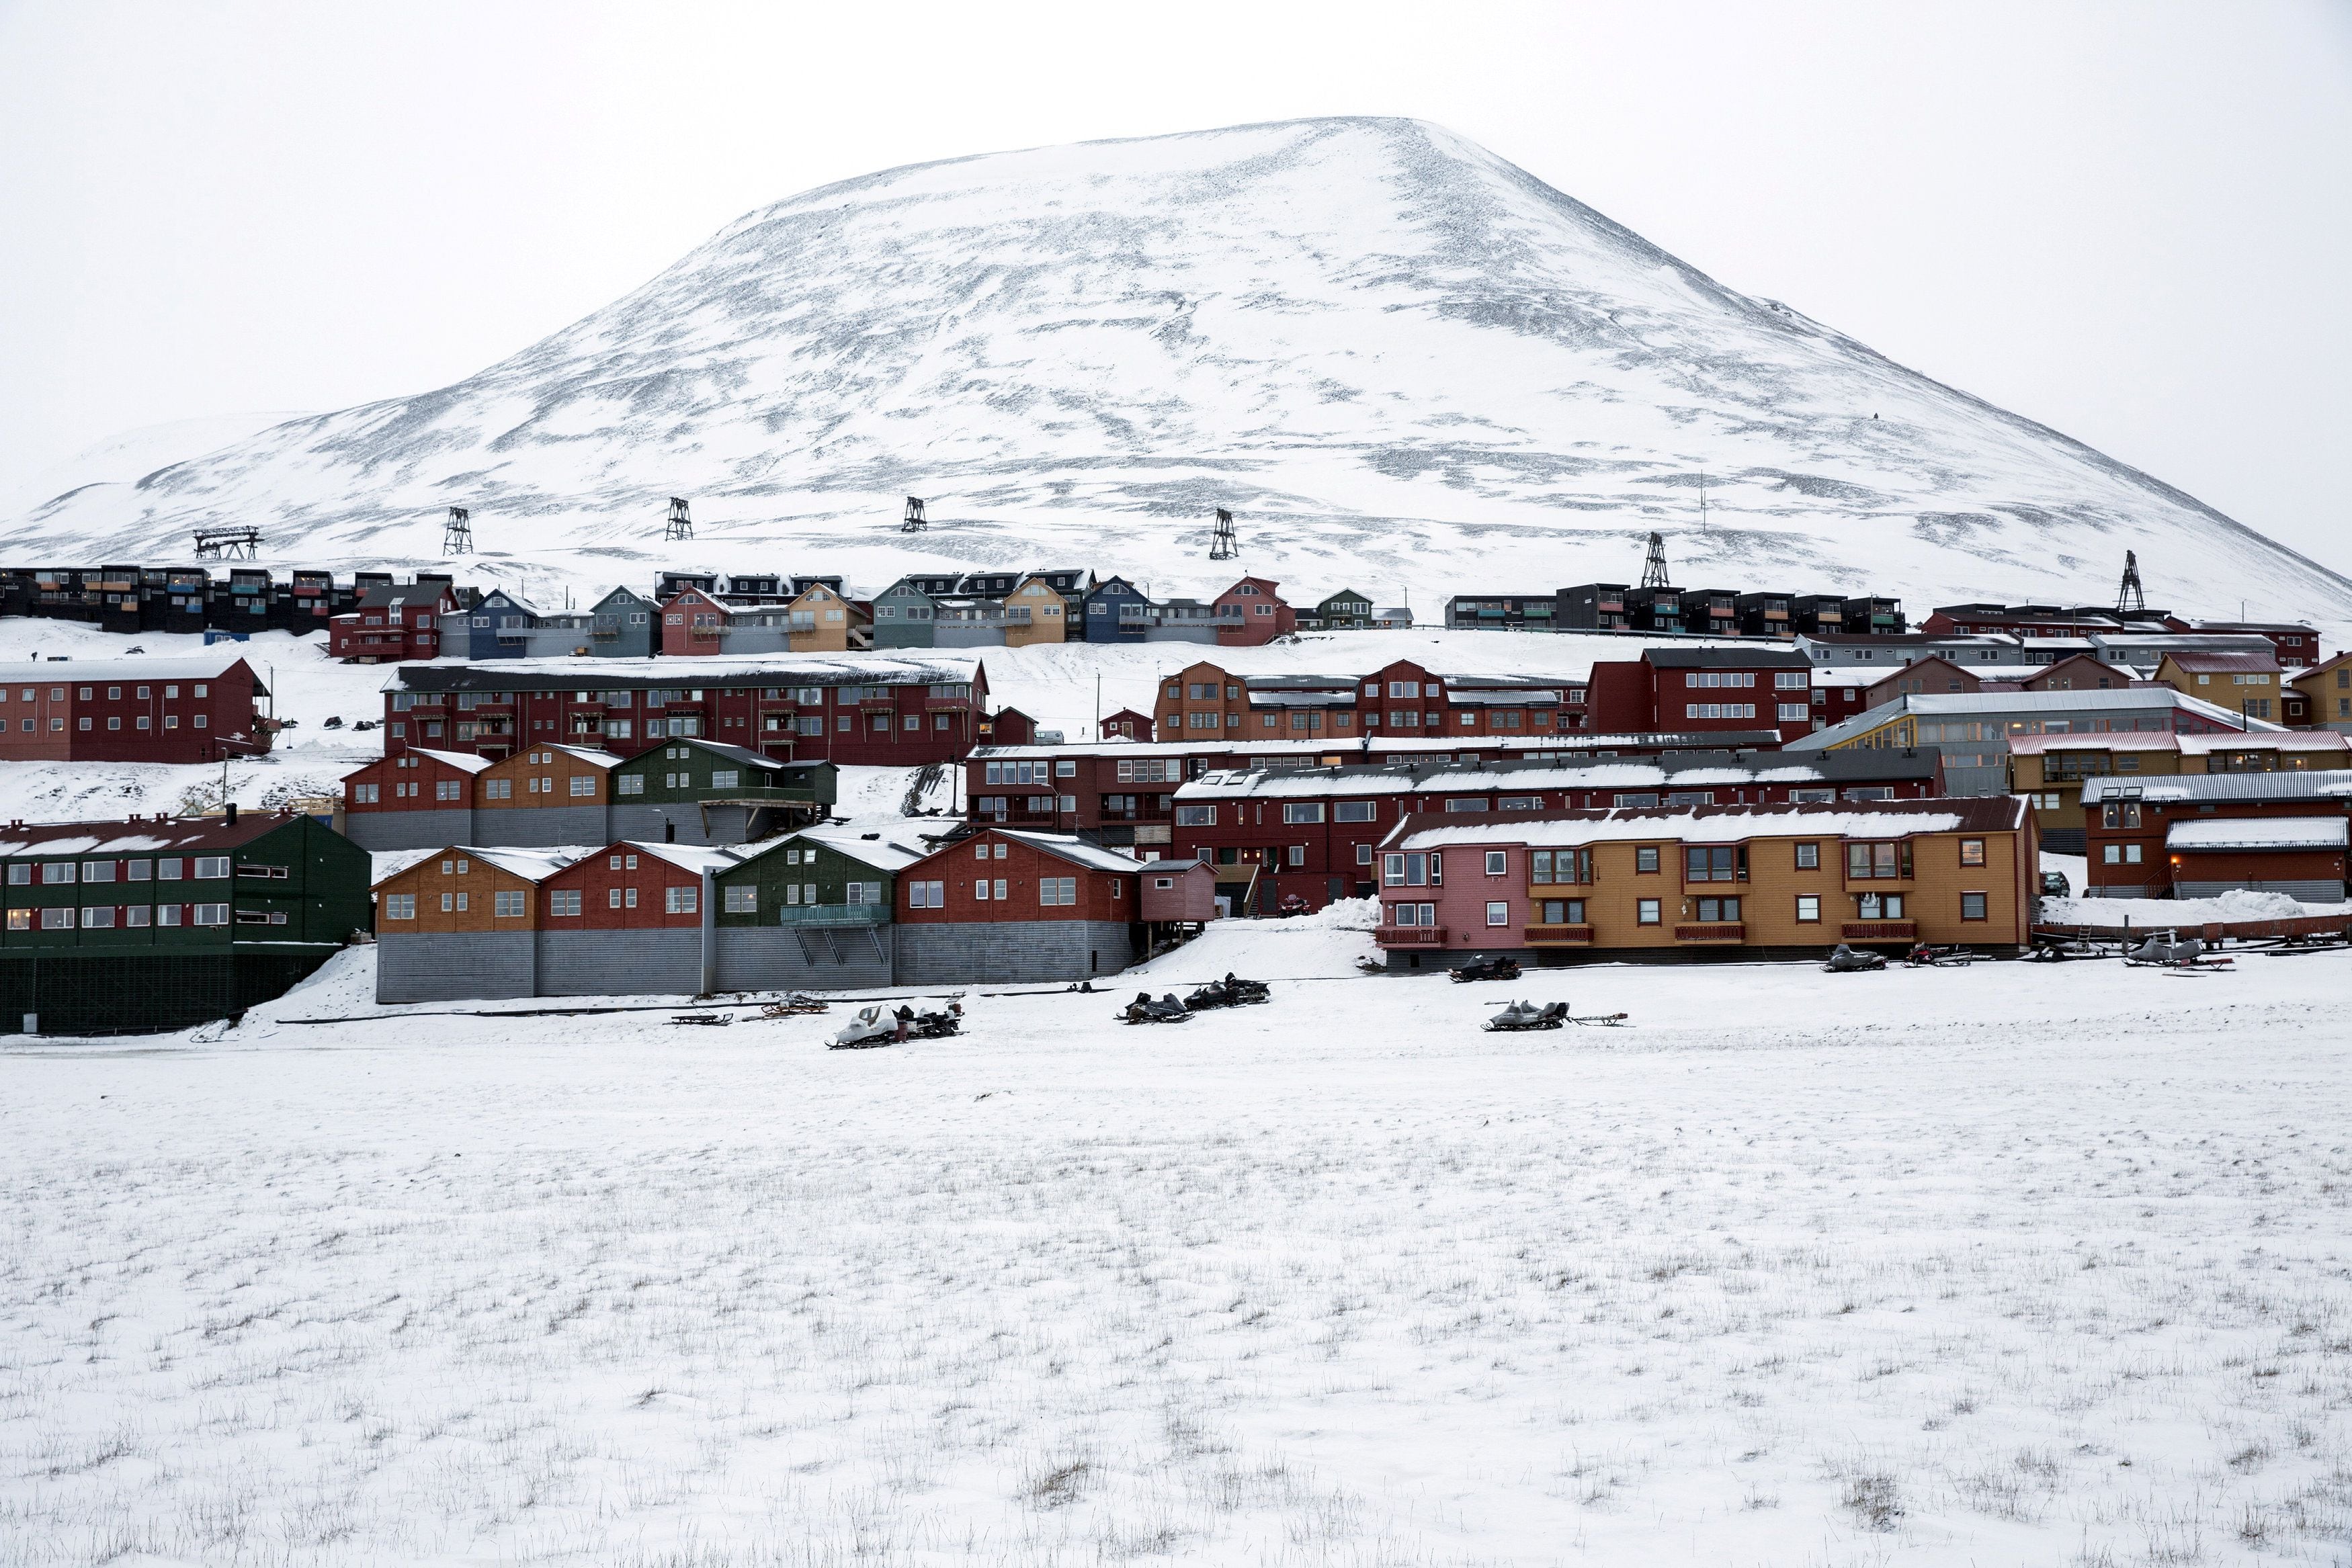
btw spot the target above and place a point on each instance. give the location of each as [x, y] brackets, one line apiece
[1795, 1269]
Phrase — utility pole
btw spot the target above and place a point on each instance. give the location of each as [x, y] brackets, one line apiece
[1702, 500]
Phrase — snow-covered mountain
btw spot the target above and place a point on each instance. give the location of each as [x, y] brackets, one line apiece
[1404, 364]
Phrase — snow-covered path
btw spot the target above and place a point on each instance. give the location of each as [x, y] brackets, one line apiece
[1800, 1269]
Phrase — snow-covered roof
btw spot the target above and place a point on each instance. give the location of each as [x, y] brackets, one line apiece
[2186, 745]
[2257, 833]
[1696, 770]
[138, 836]
[138, 667]
[2197, 663]
[2291, 784]
[692, 857]
[463, 762]
[743, 754]
[1720, 825]
[531, 865]
[895, 668]
[1980, 703]
[892, 846]
[1073, 849]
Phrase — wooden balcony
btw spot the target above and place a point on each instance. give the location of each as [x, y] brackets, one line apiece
[1411, 937]
[1558, 935]
[1879, 931]
[1726, 932]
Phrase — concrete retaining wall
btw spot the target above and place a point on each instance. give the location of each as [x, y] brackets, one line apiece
[542, 827]
[443, 966]
[410, 829]
[1011, 950]
[605, 963]
[805, 957]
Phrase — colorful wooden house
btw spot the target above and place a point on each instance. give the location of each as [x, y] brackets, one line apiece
[2198, 837]
[415, 800]
[823, 621]
[1004, 906]
[813, 910]
[2246, 683]
[1115, 612]
[905, 617]
[1256, 611]
[499, 626]
[1036, 611]
[1710, 881]
[461, 922]
[1346, 610]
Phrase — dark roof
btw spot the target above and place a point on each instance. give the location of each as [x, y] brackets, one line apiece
[404, 593]
[1978, 813]
[598, 675]
[140, 836]
[1727, 658]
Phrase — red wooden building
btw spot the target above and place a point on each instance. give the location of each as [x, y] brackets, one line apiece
[886, 711]
[2195, 835]
[390, 623]
[1007, 905]
[1701, 689]
[200, 708]
[1262, 614]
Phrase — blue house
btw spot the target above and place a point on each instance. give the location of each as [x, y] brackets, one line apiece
[1104, 620]
[499, 626]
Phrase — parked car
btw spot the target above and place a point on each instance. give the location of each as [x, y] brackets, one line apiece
[2055, 886]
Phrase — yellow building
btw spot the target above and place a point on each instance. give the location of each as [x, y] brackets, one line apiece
[2048, 769]
[1036, 611]
[823, 621]
[2247, 684]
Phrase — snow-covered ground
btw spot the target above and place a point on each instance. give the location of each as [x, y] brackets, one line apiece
[2008, 1265]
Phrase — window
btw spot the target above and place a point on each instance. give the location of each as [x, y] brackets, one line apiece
[210, 914]
[137, 915]
[680, 899]
[1714, 862]
[1363, 855]
[742, 900]
[613, 897]
[1411, 870]
[564, 902]
[584, 784]
[1809, 857]
[1058, 890]
[1972, 907]
[927, 895]
[1549, 866]
[1466, 803]
[211, 866]
[168, 869]
[56, 919]
[2119, 814]
[863, 893]
[1001, 848]
[506, 906]
[1636, 800]
[1645, 857]
[1790, 680]
[980, 889]
[1302, 810]
[1563, 912]
[1880, 905]
[1808, 909]
[1498, 913]
[1887, 860]
[1719, 911]
[97, 871]
[169, 914]
[1645, 912]
[365, 794]
[58, 870]
[1794, 712]
[1355, 811]
[1413, 914]
[1972, 851]
[138, 871]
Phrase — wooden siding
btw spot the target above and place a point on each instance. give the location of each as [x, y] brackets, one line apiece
[460, 873]
[622, 868]
[553, 768]
[1101, 895]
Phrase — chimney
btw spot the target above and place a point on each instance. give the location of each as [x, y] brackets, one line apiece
[231, 815]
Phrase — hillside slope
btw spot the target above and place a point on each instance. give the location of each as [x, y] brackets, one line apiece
[1406, 362]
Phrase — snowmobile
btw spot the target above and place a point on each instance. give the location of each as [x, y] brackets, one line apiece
[2161, 953]
[1229, 992]
[872, 1027]
[930, 1025]
[1924, 955]
[2057, 950]
[1292, 905]
[1846, 960]
[1143, 1010]
[1487, 969]
[1526, 1015]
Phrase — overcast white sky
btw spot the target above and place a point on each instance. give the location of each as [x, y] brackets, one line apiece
[2131, 222]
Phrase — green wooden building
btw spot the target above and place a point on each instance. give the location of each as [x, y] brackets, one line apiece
[161, 924]
[1346, 610]
[814, 909]
[707, 792]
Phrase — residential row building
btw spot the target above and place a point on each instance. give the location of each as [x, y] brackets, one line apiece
[833, 907]
[2051, 771]
[200, 707]
[1281, 837]
[869, 709]
[151, 924]
[184, 599]
[1706, 881]
[1018, 608]
[1685, 612]
[1124, 793]
[675, 792]
[2200, 835]
[1969, 733]
[2293, 642]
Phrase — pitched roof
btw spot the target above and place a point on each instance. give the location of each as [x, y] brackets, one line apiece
[2197, 663]
[203, 667]
[1934, 703]
[181, 835]
[1726, 658]
[1072, 849]
[463, 762]
[690, 857]
[889, 845]
[2201, 788]
[2257, 833]
[896, 666]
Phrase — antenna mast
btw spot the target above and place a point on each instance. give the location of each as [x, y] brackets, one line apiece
[457, 533]
[1654, 568]
[681, 526]
[915, 522]
[1222, 544]
[2129, 598]
[1702, 500]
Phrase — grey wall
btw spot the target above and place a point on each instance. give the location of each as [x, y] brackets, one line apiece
[967, 635]
[441, 967]
[2301, 892]
[410, 829]
[727, 824]
[602, 963]
[1013, 950]
[1204, 633]
[801, 957]
[539, 827]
